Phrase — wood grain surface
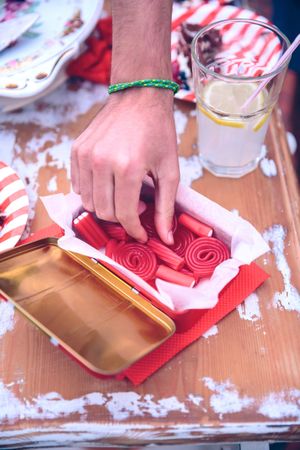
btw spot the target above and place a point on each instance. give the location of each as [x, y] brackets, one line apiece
[240, 383]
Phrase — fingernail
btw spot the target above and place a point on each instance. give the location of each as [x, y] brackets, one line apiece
[170, 238]
[143, 240]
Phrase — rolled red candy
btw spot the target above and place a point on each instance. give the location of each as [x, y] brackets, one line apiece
[197, 227]
[83, 231]
[114, 230]
[204, 254]
[167, 255]
[94, 228]
[147, 220]
[136, 257]
[182, 238]
[173, 276]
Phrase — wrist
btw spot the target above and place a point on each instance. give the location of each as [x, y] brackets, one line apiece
[145, 96]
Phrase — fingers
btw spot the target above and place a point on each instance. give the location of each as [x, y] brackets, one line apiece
[103, 193]
[165, 194]
[85, 178]
[127, 193]
[74, 169]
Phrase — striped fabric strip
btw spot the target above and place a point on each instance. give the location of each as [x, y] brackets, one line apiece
[14, 204]
[239, 38]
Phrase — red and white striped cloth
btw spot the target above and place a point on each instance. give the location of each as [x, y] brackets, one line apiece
[244, 40]
[14, 204]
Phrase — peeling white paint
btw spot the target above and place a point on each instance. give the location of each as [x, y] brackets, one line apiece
[49, 406]
[279, 405]
[211, 332]
[123, 405]
[226, 398]
[289, 298]
[7, 317]
[56, 153]
[190, 169]
[45, 146]
[249, 309]
[292, 141]
[120, 405]
[87, 432]
[52, 184]
[195, 399]
[61, 106]
[7, 143]
[268, 167]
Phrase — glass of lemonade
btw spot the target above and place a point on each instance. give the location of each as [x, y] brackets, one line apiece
[230, 59]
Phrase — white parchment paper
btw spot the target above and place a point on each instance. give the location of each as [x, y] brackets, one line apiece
[244, 241]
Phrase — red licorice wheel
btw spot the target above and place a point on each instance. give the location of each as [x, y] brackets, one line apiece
[182, 238]
[136, 257]
[204, 254]
[147, 220]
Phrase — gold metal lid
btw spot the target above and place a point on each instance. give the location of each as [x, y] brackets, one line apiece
[97, 317]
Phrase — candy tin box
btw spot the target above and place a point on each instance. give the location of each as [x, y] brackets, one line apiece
[83, 307]
[184, 304]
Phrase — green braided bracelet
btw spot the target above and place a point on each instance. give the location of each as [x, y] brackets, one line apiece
[151, 82]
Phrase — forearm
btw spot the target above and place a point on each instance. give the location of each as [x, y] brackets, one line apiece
[141, 39]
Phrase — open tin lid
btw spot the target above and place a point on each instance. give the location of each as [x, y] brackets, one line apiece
[93, 314]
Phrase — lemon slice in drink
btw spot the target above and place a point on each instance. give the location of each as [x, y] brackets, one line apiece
[227, 99]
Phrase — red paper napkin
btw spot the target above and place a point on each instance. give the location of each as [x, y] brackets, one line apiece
[94, 64]
[249, 278]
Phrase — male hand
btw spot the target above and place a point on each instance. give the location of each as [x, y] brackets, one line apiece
[133, 135]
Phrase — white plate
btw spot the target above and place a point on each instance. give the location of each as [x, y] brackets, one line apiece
[32, 64]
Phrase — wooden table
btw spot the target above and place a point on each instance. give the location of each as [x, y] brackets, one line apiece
[241, 382]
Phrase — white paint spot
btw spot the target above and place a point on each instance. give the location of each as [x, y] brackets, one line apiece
[7, 143]
[56, 154]
[281, 404]
[211, 332]
[52, 405]
[181, 120]
[264, 151]
[46, 148]
[268, 167]
[190, 169]
[52, 184]
[83, 432]
[249, 309]
[49, 406]
[292, 141]
[39, 143]
[226, 398]
[289, 298]
[126, 404]
[195, 399]
[6, 317]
